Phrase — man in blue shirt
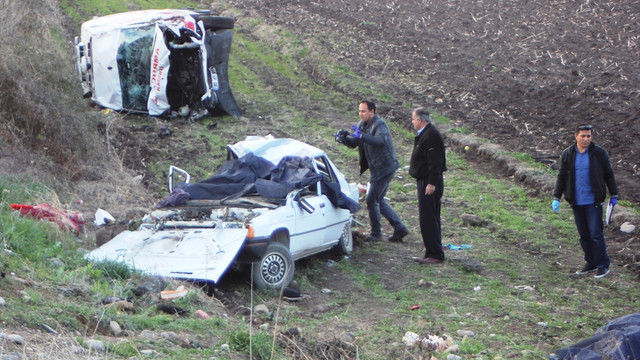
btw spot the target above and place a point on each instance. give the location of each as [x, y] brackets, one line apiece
[584, 175]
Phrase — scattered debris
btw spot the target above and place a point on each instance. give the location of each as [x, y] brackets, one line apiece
[67, 221]
[103, 217]
[457, 247]
[201, 314]
[171, 309]
[525, 288]
[473, 220]
[627, 227]
[173, 294]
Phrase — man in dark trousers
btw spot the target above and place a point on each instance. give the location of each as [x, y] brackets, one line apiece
[375, 147]
[428, 162]
[584, 175]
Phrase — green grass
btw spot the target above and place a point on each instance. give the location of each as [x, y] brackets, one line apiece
[517, 216]
[83, 10]
[511, 212]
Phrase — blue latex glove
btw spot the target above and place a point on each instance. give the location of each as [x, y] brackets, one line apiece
[613, 202]
[356, 132]
[555, 205]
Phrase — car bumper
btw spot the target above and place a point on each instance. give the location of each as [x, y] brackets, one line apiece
[253, 249]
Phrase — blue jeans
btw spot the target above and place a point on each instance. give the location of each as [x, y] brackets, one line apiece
[378, 206]
[589, 223]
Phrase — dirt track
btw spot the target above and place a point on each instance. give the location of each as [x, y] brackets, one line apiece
[522, 74]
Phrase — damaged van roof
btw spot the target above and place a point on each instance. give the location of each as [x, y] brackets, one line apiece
[111, 22]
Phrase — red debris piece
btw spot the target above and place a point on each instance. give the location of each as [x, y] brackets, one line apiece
[67, 221]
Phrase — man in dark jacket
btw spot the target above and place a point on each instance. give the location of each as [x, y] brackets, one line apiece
[584, 175]
[375, 147]
[428, 162]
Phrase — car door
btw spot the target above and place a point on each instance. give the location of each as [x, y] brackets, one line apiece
[309, 207]
[335, 218]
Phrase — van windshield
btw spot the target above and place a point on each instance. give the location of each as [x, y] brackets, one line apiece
[134, 64]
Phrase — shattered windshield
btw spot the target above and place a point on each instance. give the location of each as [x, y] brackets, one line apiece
[134, 62]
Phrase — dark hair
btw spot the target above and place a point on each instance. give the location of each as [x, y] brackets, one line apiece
[583, 127]
[423, 114]
[370, 104]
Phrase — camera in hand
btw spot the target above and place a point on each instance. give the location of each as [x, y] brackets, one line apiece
[341, 135]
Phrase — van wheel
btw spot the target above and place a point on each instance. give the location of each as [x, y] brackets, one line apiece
[275, 269]
[217, 22]
[345, 243]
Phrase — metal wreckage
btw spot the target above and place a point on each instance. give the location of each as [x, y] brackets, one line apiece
[273, 202]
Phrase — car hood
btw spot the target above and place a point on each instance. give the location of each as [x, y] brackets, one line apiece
[199, 254]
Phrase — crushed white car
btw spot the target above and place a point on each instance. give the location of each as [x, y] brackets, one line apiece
[160, 62]
[273, 202]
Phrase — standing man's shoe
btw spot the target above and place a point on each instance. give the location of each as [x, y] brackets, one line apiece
[586, 269]
[398, 235]
[373, 238]
[431, 261]
[602, 272]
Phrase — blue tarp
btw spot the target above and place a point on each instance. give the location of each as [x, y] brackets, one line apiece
[618, 340]
[251, 174]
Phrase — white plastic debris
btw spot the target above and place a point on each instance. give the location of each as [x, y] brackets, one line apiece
[103, 217]
[173, 294]
[627, 227]
[410, 339]
[525, 288]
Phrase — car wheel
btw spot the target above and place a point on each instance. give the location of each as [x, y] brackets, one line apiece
[275, 269]
[217, 22]
[345, 243]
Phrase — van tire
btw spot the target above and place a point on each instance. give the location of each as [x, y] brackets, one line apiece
[217, 22]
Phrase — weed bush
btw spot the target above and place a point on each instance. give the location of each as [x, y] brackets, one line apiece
[113, 270]
[259, 345]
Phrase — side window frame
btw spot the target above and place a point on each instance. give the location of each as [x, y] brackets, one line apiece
[322, 167]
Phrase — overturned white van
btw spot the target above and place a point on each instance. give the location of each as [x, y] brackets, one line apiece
[158, 62]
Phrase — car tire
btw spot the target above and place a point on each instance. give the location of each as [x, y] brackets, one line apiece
[217, 22]
[345, 243]
[275, 269]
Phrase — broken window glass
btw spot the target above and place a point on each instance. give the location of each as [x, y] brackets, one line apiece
[134, 62]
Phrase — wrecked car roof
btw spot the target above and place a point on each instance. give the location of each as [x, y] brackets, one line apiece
[274, 150]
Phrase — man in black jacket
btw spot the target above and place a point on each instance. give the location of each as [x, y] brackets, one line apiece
[584, 175]
[372, 137]
[428, 162]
